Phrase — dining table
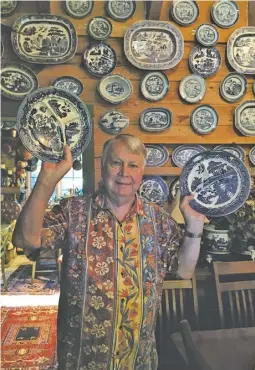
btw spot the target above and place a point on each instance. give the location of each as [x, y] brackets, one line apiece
[223, 349]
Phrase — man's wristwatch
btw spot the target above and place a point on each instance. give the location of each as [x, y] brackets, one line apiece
[192, 235]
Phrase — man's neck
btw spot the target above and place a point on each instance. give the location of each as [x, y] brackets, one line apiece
[120, 207]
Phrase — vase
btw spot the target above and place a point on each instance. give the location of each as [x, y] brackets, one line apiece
[216, 241]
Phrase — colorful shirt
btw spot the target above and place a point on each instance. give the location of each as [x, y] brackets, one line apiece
[111, 282]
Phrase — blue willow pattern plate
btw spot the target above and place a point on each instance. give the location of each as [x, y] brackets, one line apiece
[219, 181]
[157, 155]
[154, 189]
[100, 59]
[49, 118]
[78, 8]
[252, 155]
[69, 83]
[233, 149]
[155, 119]
[184, 152]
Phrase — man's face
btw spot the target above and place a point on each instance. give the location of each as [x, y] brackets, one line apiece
[123, 172]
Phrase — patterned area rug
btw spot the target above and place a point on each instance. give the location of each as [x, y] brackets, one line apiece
[28, 337]
[20, 283]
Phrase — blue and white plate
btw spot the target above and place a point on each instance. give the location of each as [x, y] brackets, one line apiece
[157, 155]
[154, 86]
[154, 189]
[174, 186]
[232, 149]
[69, 83]
[252, 155]
[219, 180]
[115, 88]
[184, 152]
[114, 122]
[120, 10]
[100, 59]
[155, 119]
[78, 9]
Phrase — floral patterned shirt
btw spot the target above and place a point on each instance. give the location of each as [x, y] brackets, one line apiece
[111, 281]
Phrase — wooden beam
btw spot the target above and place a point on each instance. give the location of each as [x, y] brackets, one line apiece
[154, 9]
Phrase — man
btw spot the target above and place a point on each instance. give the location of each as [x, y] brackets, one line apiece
[117, 248]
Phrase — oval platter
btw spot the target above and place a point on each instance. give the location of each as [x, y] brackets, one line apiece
[44, 39]
[204, 119]
[99, 28]
[252, 155]
[204, 61]
[192, 88]
[157, 155]
[154, 86]
[233, 87]
[49, 118]
[240, 46]
[115, 88]
[100, 59]
[225, 13]
[120, 10]
[219, 181]
[154, 189]
[8, 7]
[236, 150]
[17, 81]
[69, 83]
[245, 118]
[155, 119]
[113, 122]
[184, 12]
[184, 152]
[78, 9]
[153, 45]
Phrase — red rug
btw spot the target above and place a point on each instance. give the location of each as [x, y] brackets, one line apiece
[28, 337]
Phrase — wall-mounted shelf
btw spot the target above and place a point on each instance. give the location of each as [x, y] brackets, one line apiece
[163, 171]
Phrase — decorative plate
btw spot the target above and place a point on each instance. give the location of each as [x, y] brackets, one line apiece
[204, 61]
[44, 39]
[154, 189]
[153, 45]
[204, 119]
[100, 59]
[184, 152]
[233, 87]
[184, 12]
[156, 119]
[49, 118]
[114, 122]
[154, 86]
[99, 28]
[253, 87]
[245, 118]
[71, 84]
[157, 155]
[232, 149]
[8, 123]
[8, 7]
[240, 50]
[207, 34]
[78, 9]
[2, 49]
[225, 13]
[192, 88]
[120, 10]
[219, 180]
[17, 81]
[252, 155]
[174, 186]
[115, 88]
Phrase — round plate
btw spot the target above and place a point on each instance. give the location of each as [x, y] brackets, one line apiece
[232, 149]
[8, 7]
[184, 152]
[50, 117]
[8, 123]
[120, 10]
[252, 155]
[100, 59]
[154, 189]
[155, 119]
[115, 88]
[204, 61]
[2, 49]
[245, 118]
[184, 12]
[114, 122]
[174, 186]
[204, 119]
[99, 28]
[154, 86]
[78, 9]
[207, 35]
[71, 84]
[219, 180]
[17, 81]
[233, 87]
[157, 155]
[192, 88]
[225, 13]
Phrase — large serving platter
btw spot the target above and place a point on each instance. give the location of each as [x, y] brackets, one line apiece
[240, 48]
[154, 189]
[184, 12]
[192, 88]
[114, 122]
[78, 8]
[225, 13]
[236, 150]
[204, 119]
[100, 59]
[48, 119]
[155, 119]
[252, 155]
[44, 39]
[184, 152]
[17, 81]
[115, 88]
[99, 28]
[157, 155]
[153, 45]
[219, 181]
[69, 83]
[245, 118]
[204, 61]
[8, 7]
[154, 86]
[120, 10]
[233, 87]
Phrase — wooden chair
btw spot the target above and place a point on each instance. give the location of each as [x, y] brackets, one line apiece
[238, 295]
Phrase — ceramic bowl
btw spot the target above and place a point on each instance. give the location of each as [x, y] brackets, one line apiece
[115, 88]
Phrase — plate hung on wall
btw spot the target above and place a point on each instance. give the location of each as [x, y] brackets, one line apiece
[233, 87]
[204, 61]
[184, 152]
[57, 39]
[155, 119]
[240, 50]
[192, 88]
[184, 12]
[245, 118]
[99, 28]
[252, 155]
[120, 10]
[8, 8]
[207, 34]
[78, 9]
[157, 155]
[253, 88]
[115, 88]
[17, 81]
[204, 119]
[71, 84]
[114, 122]
[236, 150]
[174, 186]
[154, 189]
[153, 45]
[225, 13]
[100, 59]
[7, 123]
[154, 86]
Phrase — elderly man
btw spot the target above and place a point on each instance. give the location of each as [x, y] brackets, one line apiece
[117, 248]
